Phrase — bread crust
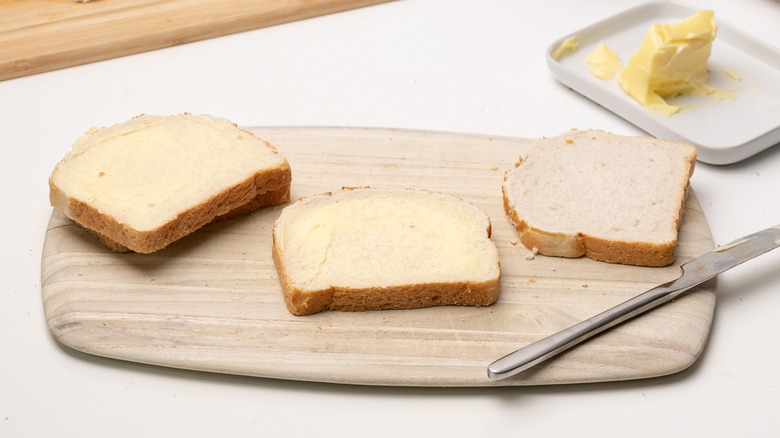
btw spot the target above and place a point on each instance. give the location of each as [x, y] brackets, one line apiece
[267, 199]
[408, 296]
[574, 245]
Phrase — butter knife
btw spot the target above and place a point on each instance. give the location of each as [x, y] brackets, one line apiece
[694, 272]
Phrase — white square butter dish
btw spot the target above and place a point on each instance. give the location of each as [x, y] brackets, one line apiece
[723, 131]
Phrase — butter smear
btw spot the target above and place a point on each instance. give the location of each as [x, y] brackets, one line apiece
[568, 46]
[604, 63]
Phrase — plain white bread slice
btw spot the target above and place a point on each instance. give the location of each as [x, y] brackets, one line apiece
[368, 249]
[611, 198]
[145, 183]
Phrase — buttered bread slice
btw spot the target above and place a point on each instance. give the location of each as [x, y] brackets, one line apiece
[608, 197]
[369, 249]
[145, 183]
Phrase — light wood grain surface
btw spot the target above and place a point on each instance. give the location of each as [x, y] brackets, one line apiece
[43, 35]
[212, 301]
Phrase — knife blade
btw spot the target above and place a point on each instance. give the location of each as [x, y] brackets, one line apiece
[694, 272]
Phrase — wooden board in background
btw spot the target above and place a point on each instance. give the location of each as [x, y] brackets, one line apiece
[43, 35]
[212, 301]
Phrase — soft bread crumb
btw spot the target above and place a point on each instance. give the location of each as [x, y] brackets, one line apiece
[608, 197]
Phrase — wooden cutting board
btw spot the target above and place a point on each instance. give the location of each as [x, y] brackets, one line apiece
[212, 301]
[43, 35]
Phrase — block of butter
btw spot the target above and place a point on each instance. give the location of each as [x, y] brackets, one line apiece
[672, 60]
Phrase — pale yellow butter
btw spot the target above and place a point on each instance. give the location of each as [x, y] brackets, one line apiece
[568, 46]
[147, 171]
[603, 62]
[672, 60]
[732, 74]
[370, 237]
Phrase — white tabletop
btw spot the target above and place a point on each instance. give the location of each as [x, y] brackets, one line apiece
[466, 66]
